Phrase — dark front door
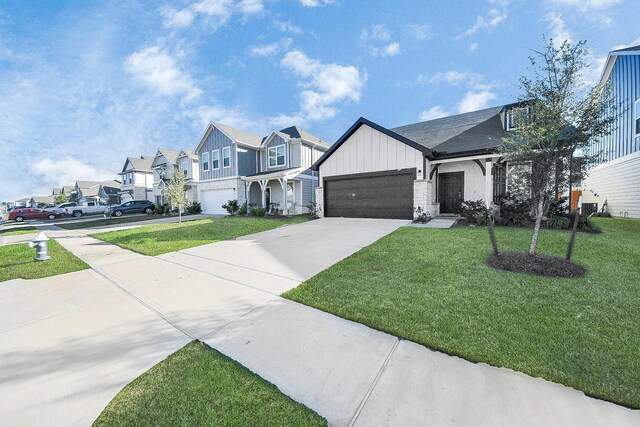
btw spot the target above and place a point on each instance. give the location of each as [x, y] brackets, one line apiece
[267, 193]
[387, 194]
[451, 191]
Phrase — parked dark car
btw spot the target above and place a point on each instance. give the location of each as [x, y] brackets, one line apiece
[132, 206]
[21, 214]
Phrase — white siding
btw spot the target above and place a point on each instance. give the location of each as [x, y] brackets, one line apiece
[474, 181]
[369, 150]
[617, 182]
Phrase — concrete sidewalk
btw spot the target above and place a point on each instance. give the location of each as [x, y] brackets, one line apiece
[134, 310]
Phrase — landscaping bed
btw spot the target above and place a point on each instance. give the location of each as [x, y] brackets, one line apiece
[159, 239]
[197, 386]
[16, 262]
[434, 287]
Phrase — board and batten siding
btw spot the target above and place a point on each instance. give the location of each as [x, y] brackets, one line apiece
[369, 150]
[216, 140]
[625, 83]
[618, 183]
[308, 156]
[291, 154]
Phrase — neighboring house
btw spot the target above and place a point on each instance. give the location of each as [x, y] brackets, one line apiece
[162, 166]
[69, 191]
[375, 172]
[237, 165]
[616, 180]
[137, 179]
[42, 201]
[57, 191]
[187, 162]
[22, 202]
[106, 192]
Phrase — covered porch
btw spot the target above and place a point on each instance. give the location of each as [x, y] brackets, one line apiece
[278, 190]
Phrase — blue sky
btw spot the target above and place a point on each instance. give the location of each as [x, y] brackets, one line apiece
[84, 84]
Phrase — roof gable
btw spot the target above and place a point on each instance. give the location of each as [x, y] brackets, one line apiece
[360, 122]
[296, 132]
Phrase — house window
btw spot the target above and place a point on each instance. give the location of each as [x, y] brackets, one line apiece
[205, 162]
[162, 172]
[516, 116]
[499, 181]
[276, 156]
[636, 117]
[215, 159]
[226, 157]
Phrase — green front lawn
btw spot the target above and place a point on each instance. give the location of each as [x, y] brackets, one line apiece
[16, 262]
[16, 231]
[162, 238]
[433, 287]
[197, 386]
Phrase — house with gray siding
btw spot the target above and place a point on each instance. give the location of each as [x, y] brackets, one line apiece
[614, 184]
[163, 166]
[137, 178]
[187, 163]
[272, 171]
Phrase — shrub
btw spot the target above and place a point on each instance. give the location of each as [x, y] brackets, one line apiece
[243, 209]
[194, 208]
[314, 210]
[273, 208]
[163, 209]
[602, 214]
[558, 207]
[585, 224]
[514, 210]
[475, 212]
[258, 211]
[422, 216]
[558, 222]
[231, 207]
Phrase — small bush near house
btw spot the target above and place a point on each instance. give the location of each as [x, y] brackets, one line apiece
[314, 210]
[164, 209]
[602, 214]
[231, 207]
[585, 224]
[514, 210]
[194, 208]
[558, 222]
[475, 212]
[258, 211]
[273, 208]
[243, 209]
[422, 216]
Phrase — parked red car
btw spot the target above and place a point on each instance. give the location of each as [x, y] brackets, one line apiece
[31, 213]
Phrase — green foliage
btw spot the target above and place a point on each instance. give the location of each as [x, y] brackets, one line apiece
[61, 198]
[174, 190]
[243, 209]
[514, 210]
[422, 216]
[259, 212]
[231, 207]
[194, 208]
[16, 261]
[558, 222]
[475, 212]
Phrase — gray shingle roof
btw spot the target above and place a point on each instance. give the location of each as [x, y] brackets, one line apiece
[240, 135]
[68, 189]
[486, 135]
[296, 132]
[142, 164]
[432, 133]
[86, 184]
[190, 154]
[170, 155]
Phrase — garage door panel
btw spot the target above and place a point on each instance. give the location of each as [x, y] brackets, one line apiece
[370, 196]
[212, 200]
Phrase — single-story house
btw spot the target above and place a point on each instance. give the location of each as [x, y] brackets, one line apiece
[375, 172]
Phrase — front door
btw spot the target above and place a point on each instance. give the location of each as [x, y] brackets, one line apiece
[267, 194]
[451, 192]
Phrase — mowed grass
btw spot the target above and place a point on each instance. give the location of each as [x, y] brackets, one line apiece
[433, 287]
[197, 386]
[17, 231]
[16, 262]
[162, 238]
[107, 221]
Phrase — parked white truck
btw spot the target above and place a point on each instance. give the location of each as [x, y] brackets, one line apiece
[86, 209]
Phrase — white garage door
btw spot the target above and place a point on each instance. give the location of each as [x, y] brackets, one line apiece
[213, 200]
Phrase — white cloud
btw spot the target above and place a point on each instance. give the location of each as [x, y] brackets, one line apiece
[494, 17]
[433, 113]
[586, 5]
[456, 78]
[375, 39]
[316, 3]
[559, 31]
[288, 27]
[475, 100]
[216, 12]
[636, 42]
[157, 70]
[323, 85]
[419, 32]
[271, 49]
[68, 170]
[473, 46]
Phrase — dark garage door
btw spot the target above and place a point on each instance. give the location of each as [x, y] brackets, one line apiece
[386, 194]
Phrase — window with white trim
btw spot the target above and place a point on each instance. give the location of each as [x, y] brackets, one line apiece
[276, 156]
[226, 157]
[215, 159]
[636, 117]
[516, 116]
[205, 162]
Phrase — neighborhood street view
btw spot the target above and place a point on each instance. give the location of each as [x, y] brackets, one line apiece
[307, 212]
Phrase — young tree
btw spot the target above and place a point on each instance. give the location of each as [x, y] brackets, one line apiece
[61, 198]
[557, 119]
[174, 189]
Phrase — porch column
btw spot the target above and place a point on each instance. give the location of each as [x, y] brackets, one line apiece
[263, 188]
[283, 183]
[247, 192]
[488, 182]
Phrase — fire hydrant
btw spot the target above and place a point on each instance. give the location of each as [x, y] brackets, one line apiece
[41, 245]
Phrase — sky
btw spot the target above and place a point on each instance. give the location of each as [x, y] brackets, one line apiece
[84, 85]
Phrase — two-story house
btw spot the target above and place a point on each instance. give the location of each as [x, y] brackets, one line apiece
[237, 165]
[187, 163]
[163, 166]
[614, 184]
[106, 192]
[137, 178]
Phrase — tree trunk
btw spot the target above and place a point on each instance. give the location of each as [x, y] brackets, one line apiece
[492, 236]
[573, 235]
[179, 215]
[536, 228]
